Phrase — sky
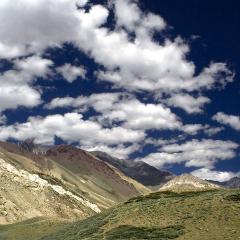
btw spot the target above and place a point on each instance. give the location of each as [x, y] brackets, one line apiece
[153, 81]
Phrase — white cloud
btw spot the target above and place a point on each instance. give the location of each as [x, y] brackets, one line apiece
[136, 64]
[195, 153]
[16, 86]
[214, 175]
[34, 66]
[116, 107]
[36, 25]
[188, 103]
[193, 129]
[161, 141]
[71, 73]
[82, 3]
[119, 151]
[70, 127]
[210, 131]
[100, 102]
[126, 110]
[230, 120]
[137, 115]
[128, 15]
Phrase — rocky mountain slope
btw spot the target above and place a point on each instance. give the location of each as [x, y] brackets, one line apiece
[161, 215]
[188, 182]
[62, 182]
[25, 195]
[140, 171]
[233, 183]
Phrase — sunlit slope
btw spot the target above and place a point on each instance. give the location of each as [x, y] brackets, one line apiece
[65, 183]
[192, 216]
[99, 180]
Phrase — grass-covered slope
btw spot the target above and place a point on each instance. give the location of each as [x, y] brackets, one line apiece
[190, 216]
[32, 229]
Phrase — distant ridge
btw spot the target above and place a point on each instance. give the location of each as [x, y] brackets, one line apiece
[233, 183]
[188, 182]
[139, 171]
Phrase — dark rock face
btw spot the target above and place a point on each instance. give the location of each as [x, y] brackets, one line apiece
[27, 145]
[139, 171]
[233, 183]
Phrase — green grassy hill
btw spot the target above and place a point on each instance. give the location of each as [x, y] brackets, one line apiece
[164, 215]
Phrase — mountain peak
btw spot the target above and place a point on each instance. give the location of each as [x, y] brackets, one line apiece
[188, 182]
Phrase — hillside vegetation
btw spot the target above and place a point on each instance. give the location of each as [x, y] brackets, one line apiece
[163, 215]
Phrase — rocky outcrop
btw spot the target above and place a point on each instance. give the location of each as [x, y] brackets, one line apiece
[188, 182]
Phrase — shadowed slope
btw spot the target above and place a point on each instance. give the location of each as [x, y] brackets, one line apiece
[140, 171]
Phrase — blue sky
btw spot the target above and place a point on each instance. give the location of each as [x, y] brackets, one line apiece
[153, 81]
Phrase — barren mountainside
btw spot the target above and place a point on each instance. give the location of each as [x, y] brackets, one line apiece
[63, 182]
[140, 171]
[188, 182]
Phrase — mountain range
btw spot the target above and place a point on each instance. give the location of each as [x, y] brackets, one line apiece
[61, 182]
[140, 171]
[233, 183]
[63, 192]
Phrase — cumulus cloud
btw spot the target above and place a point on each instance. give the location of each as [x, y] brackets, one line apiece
[138, 115]
[208, 174]
[100, 102]
[210, 131]
[35, 25]
[230, 120]
[194, 129]
[120, 151]
[188, 103]
[71, 73]
[16, 86]
[138, 64]
[129, 58]
[70, 127]
[128, 15]
[125, 109]
[195, 153]
[81, 3]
